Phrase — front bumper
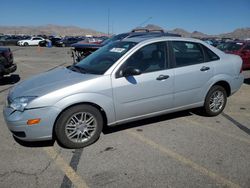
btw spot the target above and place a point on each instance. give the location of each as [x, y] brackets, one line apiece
[17, 123]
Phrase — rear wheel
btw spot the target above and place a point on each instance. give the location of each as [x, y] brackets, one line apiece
[79, 126]
[215, 101]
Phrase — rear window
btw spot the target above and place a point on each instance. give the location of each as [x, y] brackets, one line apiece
[211, 56]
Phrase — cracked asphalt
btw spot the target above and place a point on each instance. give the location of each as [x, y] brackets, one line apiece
[183, 149]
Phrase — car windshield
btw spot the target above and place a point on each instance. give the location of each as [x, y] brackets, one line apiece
[102, 59]
[231, 46]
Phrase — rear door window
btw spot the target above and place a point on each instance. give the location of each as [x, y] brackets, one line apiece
[187, 53]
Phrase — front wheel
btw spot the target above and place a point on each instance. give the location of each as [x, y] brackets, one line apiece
[79, 126]
[26, 44]
[215, 101]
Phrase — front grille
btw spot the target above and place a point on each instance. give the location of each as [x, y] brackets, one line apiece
[20, 134]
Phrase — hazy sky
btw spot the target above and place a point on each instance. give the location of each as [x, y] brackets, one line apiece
[208, 16]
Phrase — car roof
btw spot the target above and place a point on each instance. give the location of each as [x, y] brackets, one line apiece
[148, 38]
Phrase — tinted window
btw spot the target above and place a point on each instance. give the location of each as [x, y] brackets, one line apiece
[187, 53]
[149, 58]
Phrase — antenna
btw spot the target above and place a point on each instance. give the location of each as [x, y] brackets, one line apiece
[145, 21]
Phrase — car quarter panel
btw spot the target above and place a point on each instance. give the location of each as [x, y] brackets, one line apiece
[229, 69]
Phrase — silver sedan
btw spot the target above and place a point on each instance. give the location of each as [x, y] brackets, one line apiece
[121, 82]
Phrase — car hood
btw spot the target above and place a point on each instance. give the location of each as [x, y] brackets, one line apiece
[48, 82]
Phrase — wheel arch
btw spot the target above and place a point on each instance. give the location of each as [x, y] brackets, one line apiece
[225, 85]
[103, 113]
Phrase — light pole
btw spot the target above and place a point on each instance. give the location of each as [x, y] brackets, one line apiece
[108, 20]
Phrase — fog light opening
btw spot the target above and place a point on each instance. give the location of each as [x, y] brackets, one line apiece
[31, 122]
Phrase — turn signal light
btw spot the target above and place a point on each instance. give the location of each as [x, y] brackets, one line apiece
[31, 122]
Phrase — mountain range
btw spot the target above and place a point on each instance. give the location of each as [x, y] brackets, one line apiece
[240, 33]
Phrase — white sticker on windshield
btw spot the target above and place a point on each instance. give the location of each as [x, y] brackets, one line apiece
[117, 50]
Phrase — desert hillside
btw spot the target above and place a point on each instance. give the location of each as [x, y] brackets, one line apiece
[240, 33]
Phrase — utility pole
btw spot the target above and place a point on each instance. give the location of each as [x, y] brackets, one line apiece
[108, 20]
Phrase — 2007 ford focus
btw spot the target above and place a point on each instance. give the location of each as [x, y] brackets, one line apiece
[124, 81]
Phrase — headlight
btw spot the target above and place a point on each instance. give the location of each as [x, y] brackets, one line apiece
[20, 103]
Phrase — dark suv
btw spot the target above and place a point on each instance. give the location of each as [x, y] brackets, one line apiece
[79, 51]
[6, 62]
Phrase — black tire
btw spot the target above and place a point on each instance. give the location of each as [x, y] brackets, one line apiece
[26, 44]
[208, 106]
[66, 121]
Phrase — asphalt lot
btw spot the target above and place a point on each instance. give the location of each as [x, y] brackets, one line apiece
[182, 149]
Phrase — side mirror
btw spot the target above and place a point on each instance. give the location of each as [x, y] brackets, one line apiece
[131, 71]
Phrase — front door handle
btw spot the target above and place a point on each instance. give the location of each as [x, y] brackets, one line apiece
[162, 77]
[204, 68]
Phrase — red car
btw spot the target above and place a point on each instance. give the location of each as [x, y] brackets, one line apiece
[239, 48]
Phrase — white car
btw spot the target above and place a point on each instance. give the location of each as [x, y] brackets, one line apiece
[33, 41]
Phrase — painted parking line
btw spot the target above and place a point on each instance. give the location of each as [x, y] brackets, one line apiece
[193, 122]
[239, 114]
[183, 160]
[65, 168]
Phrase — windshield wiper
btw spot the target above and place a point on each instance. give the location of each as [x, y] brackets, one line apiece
[78, 69]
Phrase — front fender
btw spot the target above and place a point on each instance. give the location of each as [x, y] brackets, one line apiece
[105, 102]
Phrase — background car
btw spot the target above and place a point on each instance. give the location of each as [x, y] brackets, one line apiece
[66, 42]
[241, 48]
[9, 40]
[49, 42]
[6, 62]
[80, 51]
[33, 41]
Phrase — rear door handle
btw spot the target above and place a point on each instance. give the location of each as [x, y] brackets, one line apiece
[204, 68]
[162, 77]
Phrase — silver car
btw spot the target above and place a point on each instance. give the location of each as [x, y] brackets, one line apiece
[124, 81]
